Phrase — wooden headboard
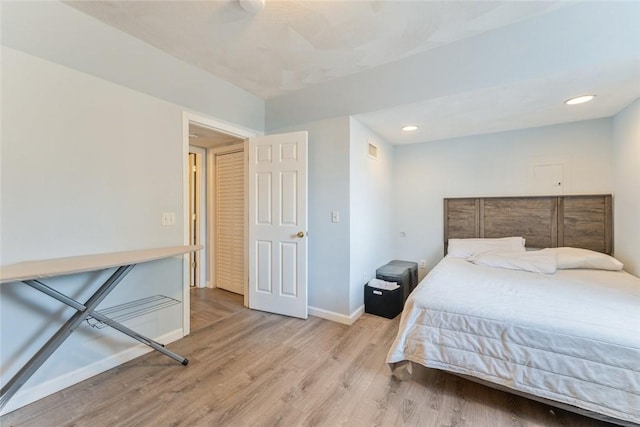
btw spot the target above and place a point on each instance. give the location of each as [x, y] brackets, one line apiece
[544, 221]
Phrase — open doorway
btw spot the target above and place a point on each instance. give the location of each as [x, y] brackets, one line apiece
[217, 221]
[283, 199]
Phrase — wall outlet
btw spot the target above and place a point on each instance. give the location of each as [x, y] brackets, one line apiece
[423, 264]
[168, 218]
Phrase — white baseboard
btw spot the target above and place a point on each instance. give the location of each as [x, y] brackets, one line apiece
[27, 395]
[336, 317]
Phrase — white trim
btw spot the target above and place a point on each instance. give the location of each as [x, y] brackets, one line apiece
[203, 255]
[27, 395]
[211, 235]
[219, 125]
[186, 285]
[246, 221]
[230, 129]
[337, 317]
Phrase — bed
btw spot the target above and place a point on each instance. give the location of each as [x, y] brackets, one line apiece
[570, 337]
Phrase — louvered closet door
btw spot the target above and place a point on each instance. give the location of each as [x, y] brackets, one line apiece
[229, 220]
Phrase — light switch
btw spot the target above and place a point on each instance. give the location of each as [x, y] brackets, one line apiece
[335, 216]
[168, 218]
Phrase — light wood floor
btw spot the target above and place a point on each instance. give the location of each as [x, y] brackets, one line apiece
[257, 369]
[210, 305]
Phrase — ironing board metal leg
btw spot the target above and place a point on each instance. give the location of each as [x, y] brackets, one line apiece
[14, 384]
[104, 319]
[133, 334]
[36, 284]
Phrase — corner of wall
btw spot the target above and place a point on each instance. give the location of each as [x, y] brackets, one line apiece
[371, 207]
[337, 317]
[626, 167]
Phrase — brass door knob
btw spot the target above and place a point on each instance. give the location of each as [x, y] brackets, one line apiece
[300, 234]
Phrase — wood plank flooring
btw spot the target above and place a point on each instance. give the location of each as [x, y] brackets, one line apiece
[210, 305]
[252, 368]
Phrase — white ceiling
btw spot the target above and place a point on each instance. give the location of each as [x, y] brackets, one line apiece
[293, 46]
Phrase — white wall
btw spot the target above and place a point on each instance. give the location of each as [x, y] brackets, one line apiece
[59, 33]
[491, 165]
[626, 177]
[371, 208]
[86, 166]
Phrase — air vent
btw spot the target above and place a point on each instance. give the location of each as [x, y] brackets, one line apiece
[373, 150]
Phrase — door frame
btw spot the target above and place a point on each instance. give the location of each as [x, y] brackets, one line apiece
[202, 281]
[223, 127]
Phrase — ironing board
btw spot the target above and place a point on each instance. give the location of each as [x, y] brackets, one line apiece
[30, 273]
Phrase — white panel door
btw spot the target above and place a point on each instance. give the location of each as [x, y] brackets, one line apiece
[278, 224]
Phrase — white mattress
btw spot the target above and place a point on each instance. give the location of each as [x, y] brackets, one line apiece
[571, 337]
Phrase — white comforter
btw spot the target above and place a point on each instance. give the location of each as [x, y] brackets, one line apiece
[572, 337]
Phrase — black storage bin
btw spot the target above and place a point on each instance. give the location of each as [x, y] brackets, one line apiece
[413, 272]
[383, 302]
[396, 273]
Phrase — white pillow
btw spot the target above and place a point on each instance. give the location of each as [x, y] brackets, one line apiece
[535, 262]
[463, 248]
[568, 258]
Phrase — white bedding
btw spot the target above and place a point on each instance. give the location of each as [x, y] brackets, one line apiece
[571, 337]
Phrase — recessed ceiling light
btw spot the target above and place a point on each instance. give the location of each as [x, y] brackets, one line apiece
[193, 135]
[409, 128]
[579, 99]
